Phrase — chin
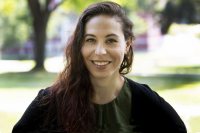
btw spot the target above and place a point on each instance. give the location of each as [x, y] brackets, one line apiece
[102, 75]
[99, 76]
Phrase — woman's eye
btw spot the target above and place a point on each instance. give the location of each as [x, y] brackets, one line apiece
[90, 40]
[110, 41]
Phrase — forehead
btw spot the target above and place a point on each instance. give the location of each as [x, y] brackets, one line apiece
[102, 24]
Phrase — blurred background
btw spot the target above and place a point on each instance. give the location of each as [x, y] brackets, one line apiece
[33, 35]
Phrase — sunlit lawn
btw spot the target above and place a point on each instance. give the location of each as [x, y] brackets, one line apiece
[182, 92]
[17, 90]
[186, 101]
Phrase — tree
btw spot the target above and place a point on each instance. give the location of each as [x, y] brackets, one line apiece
[14, 29]
[167, 17]
[182, 11]
[41, 11]
[15, 22]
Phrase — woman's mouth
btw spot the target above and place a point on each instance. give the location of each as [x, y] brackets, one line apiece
[101, 63]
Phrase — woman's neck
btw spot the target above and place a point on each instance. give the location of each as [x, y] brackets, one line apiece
[106, 89]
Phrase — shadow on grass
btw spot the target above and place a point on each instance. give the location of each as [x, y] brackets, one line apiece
[27, 79]
[43, 79]
[182, 69]
[160, 82]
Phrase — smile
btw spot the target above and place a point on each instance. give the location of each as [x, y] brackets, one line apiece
[101, 63]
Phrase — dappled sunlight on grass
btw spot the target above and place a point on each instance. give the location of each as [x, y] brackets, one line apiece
[179, 47]
[19, 89]
[194, 124]
[195, 69]
[28, 80]
[182, 92]
[186, 95]
[162, 82]
[7, 121]
[186, 101]
[17, 100]
[16, 65]
[21, 98]
[55, 64]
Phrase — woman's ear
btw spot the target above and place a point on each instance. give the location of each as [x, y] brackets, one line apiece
[128, 44]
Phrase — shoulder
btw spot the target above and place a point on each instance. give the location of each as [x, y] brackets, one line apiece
[140, 90]
[150, 109]
[44, 92]
[33, 115]
[143, 97]
[43, 95]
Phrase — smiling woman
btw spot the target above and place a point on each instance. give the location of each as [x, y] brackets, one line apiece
[92, 94]
[104, 47]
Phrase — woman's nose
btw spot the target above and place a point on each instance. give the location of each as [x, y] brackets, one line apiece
[100, 50]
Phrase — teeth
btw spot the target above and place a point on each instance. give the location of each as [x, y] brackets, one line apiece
[101, 63]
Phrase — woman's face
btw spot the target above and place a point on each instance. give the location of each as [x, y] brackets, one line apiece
[103, 47]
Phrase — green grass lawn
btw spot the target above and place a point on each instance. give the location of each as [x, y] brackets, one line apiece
[17, 90]
[27, 80]
[188, 97]
[181, 69]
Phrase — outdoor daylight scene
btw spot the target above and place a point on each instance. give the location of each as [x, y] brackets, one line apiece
[35, 33]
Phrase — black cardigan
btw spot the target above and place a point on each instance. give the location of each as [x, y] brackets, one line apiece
[150, 113]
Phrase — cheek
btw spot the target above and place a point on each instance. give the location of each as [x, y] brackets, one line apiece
[85, 51]
[122, 49]
[121, 52]
[84, 56]
[118, 54]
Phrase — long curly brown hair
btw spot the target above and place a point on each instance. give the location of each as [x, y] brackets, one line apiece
[70, 100]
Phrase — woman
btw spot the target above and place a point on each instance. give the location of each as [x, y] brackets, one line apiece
[92, 95]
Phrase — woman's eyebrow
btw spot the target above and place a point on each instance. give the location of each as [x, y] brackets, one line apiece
[110, 35]
[90, 35]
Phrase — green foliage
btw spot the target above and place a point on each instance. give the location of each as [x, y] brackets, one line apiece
[14, 22]
[15, 19]
[76, 5]
[79, 5]
[140, 25]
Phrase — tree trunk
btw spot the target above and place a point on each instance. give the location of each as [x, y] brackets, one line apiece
[40, 14]
[40, 41]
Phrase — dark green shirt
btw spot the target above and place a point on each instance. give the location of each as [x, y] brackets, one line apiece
[114, 117]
